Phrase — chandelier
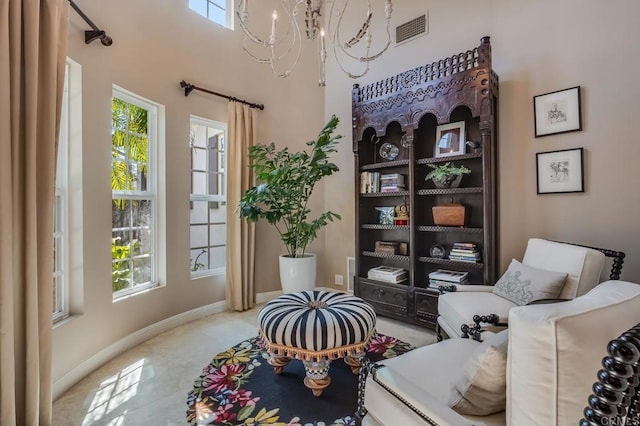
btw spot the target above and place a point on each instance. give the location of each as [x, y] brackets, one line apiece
[282, 46]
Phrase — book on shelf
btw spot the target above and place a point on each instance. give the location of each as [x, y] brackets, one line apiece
[437, 283]
[464, 259]
[387, 274]
[369, 182]
[449, 276]
[465, 246]
[392, 179]
[391, 188]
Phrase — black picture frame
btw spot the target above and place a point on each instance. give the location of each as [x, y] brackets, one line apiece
[560, 171]
[557, 112]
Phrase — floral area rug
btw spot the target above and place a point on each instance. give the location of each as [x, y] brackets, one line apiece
[239, 387]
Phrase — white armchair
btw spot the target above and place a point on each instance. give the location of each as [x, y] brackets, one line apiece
[551, 270]
[545, 377]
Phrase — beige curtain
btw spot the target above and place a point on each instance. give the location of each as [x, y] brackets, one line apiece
[33, 39]
[243, 129]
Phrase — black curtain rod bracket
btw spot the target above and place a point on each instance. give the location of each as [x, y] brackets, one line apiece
[188, 88]
[95, 33]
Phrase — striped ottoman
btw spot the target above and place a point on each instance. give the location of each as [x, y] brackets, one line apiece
[316, 327]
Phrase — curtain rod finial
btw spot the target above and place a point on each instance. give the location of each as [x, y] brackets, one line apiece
[188, 88]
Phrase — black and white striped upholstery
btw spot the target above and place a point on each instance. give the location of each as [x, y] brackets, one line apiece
[314, 325]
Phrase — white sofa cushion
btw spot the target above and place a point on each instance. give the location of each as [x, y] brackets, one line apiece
[523, 284]
[481, 388]
[458, 308]
[556, 349]
[423, 378]
[583, 265]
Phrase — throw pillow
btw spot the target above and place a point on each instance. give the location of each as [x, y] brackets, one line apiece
[523, 284]
[481, 388]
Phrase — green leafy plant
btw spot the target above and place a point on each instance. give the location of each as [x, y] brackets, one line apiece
[120, 270]
[446, 173]
[285, 182]
[197, 265]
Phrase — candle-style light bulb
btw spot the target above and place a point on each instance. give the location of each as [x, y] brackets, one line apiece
[274, 17]
[322, 45]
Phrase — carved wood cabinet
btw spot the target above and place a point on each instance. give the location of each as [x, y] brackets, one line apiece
[398, 129]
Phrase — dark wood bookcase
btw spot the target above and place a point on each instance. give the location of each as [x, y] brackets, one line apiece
[405, 110]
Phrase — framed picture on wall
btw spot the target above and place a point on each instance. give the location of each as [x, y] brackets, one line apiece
[560, 171]
[450, 139]
[557, 112]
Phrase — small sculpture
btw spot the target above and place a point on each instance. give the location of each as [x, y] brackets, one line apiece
[402, 215]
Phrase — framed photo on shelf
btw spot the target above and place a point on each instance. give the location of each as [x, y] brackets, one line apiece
[557, 112]
[450, 139]
[560, 171]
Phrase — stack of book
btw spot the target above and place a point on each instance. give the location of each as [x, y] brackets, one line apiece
[465, 252]
[392, 182]
[387, 274]
[446, 277]
[369, 182]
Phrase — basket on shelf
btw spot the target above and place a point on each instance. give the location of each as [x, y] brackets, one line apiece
[451, 214]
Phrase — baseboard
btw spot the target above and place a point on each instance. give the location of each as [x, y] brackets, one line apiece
[85, 368]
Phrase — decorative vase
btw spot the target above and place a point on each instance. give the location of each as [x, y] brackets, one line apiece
[452, 184]
[297, 273]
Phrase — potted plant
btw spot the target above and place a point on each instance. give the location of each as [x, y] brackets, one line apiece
[447, 175]
[284, 183]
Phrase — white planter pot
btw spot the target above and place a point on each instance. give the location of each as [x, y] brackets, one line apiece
[297, 273]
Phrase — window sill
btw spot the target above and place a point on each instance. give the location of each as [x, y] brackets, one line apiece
[130, 294]
[210, 273]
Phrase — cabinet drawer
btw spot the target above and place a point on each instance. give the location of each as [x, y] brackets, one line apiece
[426, 304]
[383, 298]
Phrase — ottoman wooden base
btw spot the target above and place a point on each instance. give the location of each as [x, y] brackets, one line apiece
[278, 363]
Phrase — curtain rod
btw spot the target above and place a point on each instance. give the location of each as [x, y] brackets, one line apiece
[95, 33]
[188, 88]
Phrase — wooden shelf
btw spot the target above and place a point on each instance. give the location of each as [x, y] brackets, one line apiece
[432, 160]
[386, 256]
[450, 229]
[385, 194]
[448, 262]
[385, 165]
[444, 191]
[385, 227]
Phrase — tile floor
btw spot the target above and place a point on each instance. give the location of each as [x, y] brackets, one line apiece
[148, 384]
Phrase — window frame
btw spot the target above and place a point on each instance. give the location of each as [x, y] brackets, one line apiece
[229, 13]
[151, 193]
[61, 208]
[220, 198]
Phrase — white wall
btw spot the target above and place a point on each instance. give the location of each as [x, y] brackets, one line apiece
[538, 47]
[156, 44]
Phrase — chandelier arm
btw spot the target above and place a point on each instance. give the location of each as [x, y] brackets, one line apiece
[297, 37]
[341, 66]
[361, 33]
[273, 59]
[367, 57]
[244, 23]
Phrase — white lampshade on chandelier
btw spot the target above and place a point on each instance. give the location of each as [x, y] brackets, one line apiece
[323, 21]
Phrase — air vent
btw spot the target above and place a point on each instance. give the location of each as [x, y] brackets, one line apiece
[412, 29]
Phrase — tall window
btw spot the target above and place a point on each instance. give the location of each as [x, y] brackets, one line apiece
[134, 197]
[218, 11]
[208, 222]
[60, 212]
